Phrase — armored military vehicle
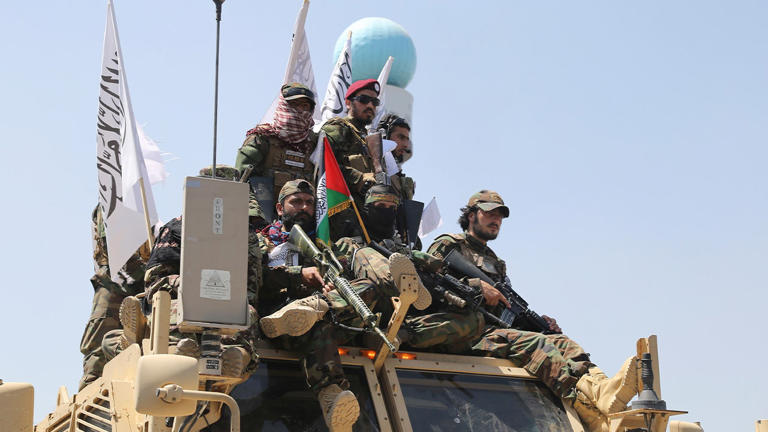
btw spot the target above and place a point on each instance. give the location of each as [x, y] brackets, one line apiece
[149, 388]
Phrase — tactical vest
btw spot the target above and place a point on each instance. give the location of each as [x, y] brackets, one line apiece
[284, 165]
[490, 264]
[355, 153]
[404, 185]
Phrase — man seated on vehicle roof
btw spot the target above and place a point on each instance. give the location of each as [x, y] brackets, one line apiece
[163, 273]
[361, 263]
[346, 136]
[397, 129]
[319, 338]
[321, 362]
[558, 361]
[279, 151]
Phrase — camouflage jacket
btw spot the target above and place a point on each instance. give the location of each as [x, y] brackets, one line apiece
[131, 275]
[257, 147]
[475, 251]
[272, 157]
[347, 139]
[404, 185]
[281, 283]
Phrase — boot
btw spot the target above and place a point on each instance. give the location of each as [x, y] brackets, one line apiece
[234, 359]
[590, 417]
[188, 347]
[133, 321]
[609, 395]
[340, 408]
[295, 318]
[399, 265]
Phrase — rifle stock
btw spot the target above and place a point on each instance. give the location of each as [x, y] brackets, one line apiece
[326, 261]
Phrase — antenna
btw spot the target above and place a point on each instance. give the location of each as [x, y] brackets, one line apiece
[216, 85]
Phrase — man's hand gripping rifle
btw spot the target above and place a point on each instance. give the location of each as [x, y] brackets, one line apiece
[326, 261]
[446, 287]
[518, 315]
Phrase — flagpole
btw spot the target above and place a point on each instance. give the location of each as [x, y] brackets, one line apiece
[148, 224]
[132, 124]
[359, 219]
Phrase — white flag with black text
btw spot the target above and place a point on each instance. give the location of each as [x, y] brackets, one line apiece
[334, 104]
[299, 68]
[119, 160]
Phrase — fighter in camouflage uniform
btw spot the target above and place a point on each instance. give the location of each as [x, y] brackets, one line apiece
[321, 363]
[557, 360]
[280, 150]
[319, 338]
[346, 136]
[107, 297]
[398, 130]
[163, 274]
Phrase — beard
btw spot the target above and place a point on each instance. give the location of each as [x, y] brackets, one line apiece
[482, 233]
[302, 219]
[365, 114]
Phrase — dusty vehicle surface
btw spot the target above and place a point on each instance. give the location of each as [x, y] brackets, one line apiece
[413, 391]
[148, 388]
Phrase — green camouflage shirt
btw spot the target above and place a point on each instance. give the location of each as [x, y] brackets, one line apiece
[474, 250]
[347, 139]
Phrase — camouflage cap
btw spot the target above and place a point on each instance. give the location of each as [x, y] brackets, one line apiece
[295, 186]
[225, 172]
[294, 90]
[381, 192]
[488, 200]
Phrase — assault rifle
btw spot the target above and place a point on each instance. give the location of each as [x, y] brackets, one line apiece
[327, 260]
[449, 290]
[518, 315]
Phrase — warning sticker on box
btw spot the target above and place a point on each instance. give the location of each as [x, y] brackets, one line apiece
[214, 284]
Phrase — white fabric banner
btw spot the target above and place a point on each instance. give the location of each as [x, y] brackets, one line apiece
[299, 67]
[430, 218]
[153, 157]
[381, 111]
[334, 104]
[389, 159]
[119, 161]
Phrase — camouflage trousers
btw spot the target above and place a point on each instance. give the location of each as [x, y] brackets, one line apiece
[105, 316]
[555, 359]
[374, 268]
[320, 360]
[320, 346]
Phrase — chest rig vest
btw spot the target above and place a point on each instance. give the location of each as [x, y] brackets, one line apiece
[486, 261]
[355, 151]
[284, 165]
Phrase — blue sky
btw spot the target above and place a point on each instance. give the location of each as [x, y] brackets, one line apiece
[628, 139]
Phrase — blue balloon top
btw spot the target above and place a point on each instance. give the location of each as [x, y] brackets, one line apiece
[373, 41]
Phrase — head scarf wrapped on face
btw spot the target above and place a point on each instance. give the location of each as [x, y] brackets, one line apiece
[290, 124]
[380, 220]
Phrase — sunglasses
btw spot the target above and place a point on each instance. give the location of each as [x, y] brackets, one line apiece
[365, 100]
